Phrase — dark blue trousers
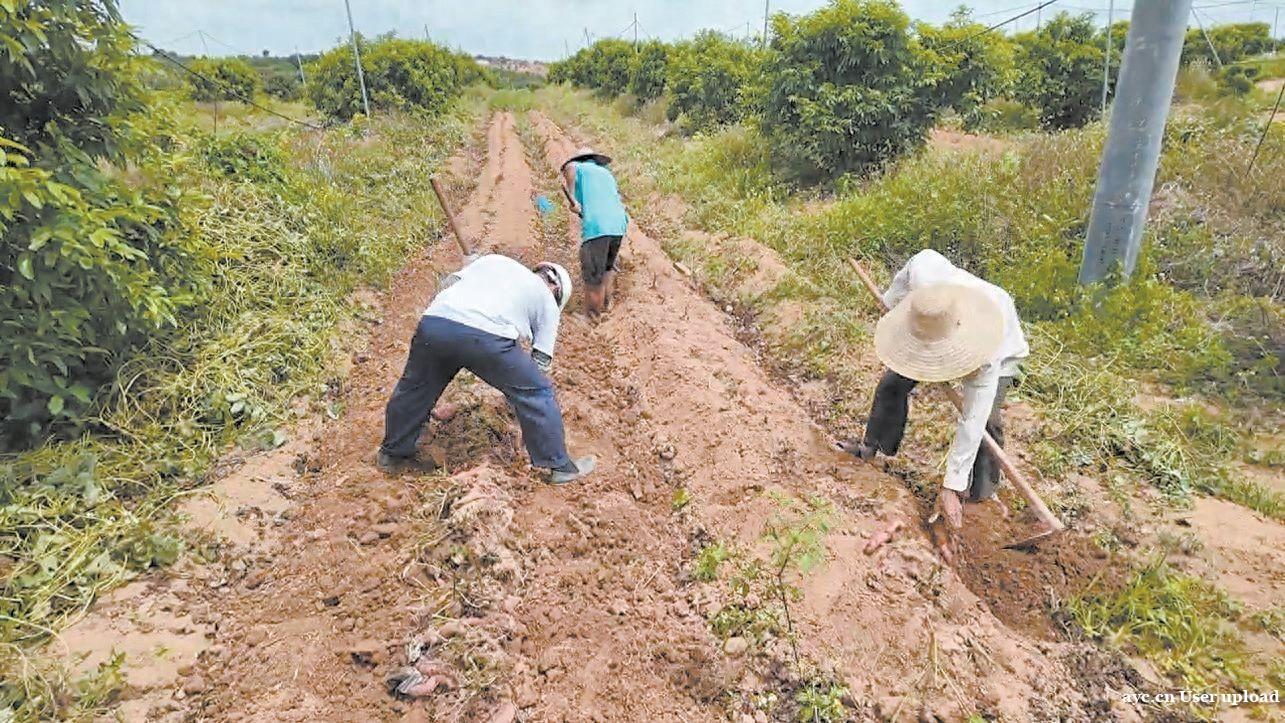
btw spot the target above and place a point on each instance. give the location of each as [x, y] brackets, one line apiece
[439, 350]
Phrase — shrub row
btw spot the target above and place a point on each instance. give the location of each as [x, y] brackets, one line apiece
[855, 83]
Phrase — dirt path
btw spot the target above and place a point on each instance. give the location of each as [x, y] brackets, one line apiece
[549, 603]
[499, 214]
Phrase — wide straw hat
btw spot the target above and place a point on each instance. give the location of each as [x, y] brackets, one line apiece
[941, 332]
[585, 152]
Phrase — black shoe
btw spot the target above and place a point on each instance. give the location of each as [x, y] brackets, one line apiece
[859, 450]
[390, 464]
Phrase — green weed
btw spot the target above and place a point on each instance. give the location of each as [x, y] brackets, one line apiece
[1181, 623]
[708, 561]
[821, 701]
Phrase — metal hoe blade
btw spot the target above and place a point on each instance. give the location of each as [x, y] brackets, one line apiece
[1034, 539]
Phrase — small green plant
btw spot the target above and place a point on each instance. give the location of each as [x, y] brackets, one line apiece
[680, 499]
[1270, 621]
[821, 702]
[708, 561]
[798, 544]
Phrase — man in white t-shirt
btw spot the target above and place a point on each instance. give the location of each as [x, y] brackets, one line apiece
[946, 324]
[476, 322]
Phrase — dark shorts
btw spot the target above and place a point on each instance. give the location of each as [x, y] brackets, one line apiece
[597, 257]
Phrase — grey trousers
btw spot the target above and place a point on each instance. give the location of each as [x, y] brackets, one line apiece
[887, 425]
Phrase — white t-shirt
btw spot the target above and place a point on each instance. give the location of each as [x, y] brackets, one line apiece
[501, 296]
[929, 268]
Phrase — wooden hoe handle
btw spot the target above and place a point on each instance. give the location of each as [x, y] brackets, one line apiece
[1010, 470]
[450, 217]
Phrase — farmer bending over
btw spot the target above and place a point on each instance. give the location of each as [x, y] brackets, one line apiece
[593, 194]
[945, 325]
[475, 323]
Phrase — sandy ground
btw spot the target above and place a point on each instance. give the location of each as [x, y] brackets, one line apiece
[540, 603]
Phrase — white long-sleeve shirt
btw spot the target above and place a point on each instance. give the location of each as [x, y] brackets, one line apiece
[501, 296]
[929, 268]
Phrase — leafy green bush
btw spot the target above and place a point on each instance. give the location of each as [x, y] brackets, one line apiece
[708, 78]
[1237, 80]
[647, 70]
[847, 88]
[283, 86]
[88, 259]
[1005, 116]
[1060, 71]
[976, 66]
[606, 66]
[1232, 41]
[400, 74]
[228, 79]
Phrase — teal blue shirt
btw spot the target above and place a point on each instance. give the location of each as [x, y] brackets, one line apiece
[599, 199]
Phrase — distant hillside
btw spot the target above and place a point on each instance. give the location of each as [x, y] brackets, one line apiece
[512, 64]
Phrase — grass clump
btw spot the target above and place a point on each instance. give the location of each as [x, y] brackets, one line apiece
[1181, 623]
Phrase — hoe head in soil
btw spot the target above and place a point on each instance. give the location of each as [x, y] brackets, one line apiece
[1031, 541]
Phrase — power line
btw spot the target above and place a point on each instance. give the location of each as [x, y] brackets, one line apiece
[998, 25]
[181, 37]
[993, 13]
[1213, 51]
[235, 93]
[1266, 127]
[238, 51]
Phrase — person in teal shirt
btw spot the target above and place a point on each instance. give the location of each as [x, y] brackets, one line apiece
[593, 194]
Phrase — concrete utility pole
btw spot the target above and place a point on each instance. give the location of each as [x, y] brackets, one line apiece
[587, 41]
[361, 76]
[1276, 28]
[205, 47]
[299, 59]
[1106, 61]
[1132, 153]
[766, 3]
[635, 31]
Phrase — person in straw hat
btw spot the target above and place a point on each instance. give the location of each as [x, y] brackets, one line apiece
[945, 325]
[592, 191]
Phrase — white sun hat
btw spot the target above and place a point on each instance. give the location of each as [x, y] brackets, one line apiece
[561, 277]
[940, 332]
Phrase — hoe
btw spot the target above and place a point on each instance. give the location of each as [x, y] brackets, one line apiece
[450, 217]
[1050, 524]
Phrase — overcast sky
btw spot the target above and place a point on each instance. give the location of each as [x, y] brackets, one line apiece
[530, 29]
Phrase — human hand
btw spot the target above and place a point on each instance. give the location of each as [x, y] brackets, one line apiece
[951, 508]
[946, 523]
